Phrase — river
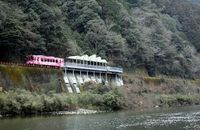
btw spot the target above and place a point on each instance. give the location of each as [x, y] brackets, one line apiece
[182, 118]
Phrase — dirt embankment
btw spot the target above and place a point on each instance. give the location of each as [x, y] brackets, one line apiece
[139, 92]
[149, 92]
[30, 78]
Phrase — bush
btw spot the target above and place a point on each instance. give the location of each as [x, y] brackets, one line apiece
[88, 99]
[179, 100]
[25, 102]
[112, 101]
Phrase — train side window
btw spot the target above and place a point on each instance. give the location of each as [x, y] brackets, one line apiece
[42, 59]
[56, 61]
[31, 58]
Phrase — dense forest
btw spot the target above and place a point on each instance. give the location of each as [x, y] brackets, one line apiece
[160, 36]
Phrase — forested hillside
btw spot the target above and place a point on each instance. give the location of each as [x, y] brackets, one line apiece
[160, 36]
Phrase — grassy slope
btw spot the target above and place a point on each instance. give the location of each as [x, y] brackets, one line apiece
[148, 92]
[139, 91]
[33, 79]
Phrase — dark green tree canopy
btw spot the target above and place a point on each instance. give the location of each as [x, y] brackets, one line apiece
[161, 37]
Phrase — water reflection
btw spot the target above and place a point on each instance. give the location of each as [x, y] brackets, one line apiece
[187, 118]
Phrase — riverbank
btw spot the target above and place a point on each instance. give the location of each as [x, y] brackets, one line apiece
[137, 93]
[77, 112]
[151, 92]
[98, 98]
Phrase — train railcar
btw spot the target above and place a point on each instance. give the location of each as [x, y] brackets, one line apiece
[45, 60]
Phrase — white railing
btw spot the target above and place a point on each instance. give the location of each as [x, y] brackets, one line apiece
[114, 69]
[93, 67]
[84, 66]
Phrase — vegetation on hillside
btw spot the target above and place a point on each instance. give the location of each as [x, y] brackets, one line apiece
[154, 35]
[151, 92]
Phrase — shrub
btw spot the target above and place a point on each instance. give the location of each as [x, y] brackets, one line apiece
[174, 100]
[25, 102]
[88, 99]
[112, 101]
[168, 100]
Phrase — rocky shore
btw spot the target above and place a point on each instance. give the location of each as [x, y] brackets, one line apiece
[77, 112]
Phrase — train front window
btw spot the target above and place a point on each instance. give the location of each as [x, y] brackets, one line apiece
[31, 57]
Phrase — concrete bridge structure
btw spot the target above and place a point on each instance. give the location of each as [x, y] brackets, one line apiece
[81, 69]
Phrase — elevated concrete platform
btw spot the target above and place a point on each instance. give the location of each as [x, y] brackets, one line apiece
[81, 69]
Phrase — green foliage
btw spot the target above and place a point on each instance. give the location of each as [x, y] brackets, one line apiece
[88, 100]
[104, 96]
[21, 101]
[179, 100]
[112, 100]
[131, 33]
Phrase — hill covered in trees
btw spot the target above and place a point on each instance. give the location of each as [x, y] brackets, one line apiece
[160, 36]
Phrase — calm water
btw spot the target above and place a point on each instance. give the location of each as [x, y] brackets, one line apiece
[187, 118]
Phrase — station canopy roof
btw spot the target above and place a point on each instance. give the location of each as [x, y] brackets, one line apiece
[93, 58]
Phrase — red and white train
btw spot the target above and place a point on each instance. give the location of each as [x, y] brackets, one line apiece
[45, 60]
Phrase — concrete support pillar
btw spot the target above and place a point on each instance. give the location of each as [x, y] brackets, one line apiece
[116, 77]
[65, 71]
[100, 76]
[94, 76]
[87, 74]
[106, 77]
[73, 72]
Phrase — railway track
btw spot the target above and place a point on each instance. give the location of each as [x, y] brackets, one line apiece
[29, 65]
